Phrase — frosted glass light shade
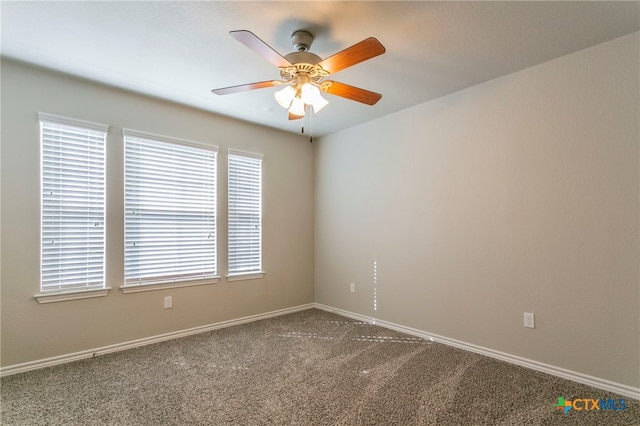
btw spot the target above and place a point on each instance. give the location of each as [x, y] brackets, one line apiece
[297, 107]
[308, 92]
[319, 103]
[311, 96]
[285, 96]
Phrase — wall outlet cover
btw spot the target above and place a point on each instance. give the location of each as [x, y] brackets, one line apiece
[529, 320]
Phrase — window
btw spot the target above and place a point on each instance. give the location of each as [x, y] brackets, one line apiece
[73, 207]
[245, 215]
[170, 212]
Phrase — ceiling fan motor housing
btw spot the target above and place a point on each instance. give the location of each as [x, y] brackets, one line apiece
[304, 62]
[303, 57]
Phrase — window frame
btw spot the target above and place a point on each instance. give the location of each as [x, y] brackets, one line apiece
[70, 125]
[258, 272]
[172, 282]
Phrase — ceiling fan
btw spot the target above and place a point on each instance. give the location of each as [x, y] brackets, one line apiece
[303, 73]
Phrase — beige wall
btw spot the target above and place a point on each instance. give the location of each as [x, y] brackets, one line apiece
[518, 195]
[31, 331]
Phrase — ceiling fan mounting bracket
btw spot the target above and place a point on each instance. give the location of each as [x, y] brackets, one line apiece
[301, 40]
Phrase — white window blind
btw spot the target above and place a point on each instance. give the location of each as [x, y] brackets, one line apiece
[245, 212]
[73, 204]
[170, 210]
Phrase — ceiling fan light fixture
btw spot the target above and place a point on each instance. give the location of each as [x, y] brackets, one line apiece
[285, 96]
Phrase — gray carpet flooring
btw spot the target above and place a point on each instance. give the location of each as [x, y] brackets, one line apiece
[306, 368]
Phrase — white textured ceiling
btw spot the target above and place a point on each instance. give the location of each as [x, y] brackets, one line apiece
[179, 51]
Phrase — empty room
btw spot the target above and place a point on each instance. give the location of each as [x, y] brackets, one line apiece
[320, 213]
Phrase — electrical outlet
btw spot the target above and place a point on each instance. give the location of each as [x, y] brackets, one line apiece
[168, 302]
[352, 287]
[529, 321]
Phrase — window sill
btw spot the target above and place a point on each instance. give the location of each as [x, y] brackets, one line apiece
[63, 296]
[137, 288]
[245, 276]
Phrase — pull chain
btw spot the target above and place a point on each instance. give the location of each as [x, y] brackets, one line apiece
[310, 128]
[302, 129]
[303, 118]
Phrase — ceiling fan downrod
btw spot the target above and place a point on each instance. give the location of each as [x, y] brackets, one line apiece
[301, 40]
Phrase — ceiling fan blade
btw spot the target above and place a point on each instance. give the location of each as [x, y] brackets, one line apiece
[245, 87]
[254, 43]
[295, 117]
[359, 52]
[352, 92]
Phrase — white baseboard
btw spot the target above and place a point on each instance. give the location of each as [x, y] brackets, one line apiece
[596, 382]
[62, 359]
